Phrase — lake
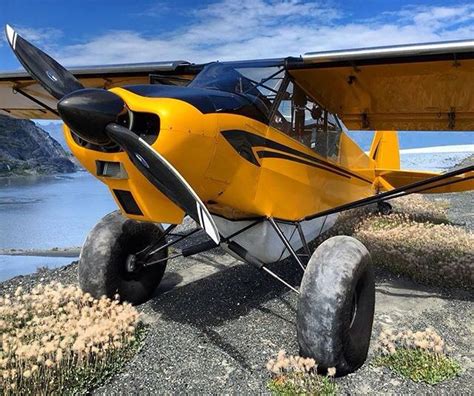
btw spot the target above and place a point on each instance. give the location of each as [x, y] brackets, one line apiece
[48, 212]
[59, 211]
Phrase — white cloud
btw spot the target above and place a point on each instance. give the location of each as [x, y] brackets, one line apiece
[43, 37]
[245, 29]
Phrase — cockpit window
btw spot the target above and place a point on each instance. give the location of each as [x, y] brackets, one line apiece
[258, 84]
[300, 117]
[221, 77]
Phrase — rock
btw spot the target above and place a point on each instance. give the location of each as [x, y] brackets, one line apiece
[25, 149]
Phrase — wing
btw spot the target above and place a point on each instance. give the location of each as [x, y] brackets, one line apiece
[412, 87]
[22, 97]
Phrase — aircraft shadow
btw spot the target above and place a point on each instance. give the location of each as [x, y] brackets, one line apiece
[224, 296]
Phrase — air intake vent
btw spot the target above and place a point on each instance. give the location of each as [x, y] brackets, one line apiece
[110, 169]
[127, 202]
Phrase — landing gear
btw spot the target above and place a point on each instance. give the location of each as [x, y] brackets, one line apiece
[109, 264]
[336, 296]
[384, 207]
[336, 305]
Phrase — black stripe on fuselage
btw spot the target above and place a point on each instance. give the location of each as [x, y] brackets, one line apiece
[273, 154]
[237, 138]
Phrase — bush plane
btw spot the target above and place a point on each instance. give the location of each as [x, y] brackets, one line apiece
[256, 153]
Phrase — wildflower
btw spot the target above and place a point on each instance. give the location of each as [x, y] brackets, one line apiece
[438, 349]
[61, 328]
[309, 364]
[281, 354]
[331, 371]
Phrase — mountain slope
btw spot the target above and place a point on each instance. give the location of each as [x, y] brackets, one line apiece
[55, 129]
[27, 149]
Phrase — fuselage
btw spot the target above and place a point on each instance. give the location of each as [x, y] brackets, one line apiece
[240, 166]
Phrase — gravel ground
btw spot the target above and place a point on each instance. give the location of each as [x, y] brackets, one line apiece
[215, 335]
[461, 207]
[215, 322]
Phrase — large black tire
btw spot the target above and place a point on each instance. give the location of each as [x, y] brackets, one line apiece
[102, 264]
[336, 305]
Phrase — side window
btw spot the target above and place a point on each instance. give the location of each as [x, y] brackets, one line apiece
[303, 119]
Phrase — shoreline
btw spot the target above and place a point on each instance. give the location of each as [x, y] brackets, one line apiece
[53, 252]
[4, 176]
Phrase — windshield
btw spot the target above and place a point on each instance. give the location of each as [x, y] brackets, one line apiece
[256, 83]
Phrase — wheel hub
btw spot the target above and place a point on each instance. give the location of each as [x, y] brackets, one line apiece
[131, 263]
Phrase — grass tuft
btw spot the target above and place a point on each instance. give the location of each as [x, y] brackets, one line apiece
[419, 356]
[302, 384]
[438, 254]
[421, 366]
[295, 375]
[416, 240]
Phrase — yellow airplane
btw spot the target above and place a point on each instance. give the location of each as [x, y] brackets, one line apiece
[256, 153]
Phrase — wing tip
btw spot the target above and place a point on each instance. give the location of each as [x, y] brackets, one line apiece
[11, 35]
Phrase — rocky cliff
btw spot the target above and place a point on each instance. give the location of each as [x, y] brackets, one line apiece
[26, 149]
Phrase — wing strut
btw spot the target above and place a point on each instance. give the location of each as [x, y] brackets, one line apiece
[401, 191]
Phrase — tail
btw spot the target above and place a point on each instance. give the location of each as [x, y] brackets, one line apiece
[385, 150]
[386, 154]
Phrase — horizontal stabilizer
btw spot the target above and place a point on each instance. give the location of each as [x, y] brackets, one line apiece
[445, 182]
[164, 177]
[399, 178]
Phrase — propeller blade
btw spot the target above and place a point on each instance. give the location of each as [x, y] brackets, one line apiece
[44, 69]
[164, 177]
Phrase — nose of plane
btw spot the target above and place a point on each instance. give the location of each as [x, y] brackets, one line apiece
[88, 111]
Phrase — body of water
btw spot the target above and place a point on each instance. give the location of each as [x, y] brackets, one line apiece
[51, 211]
[59, 211]
[46, 212]
[11, 266]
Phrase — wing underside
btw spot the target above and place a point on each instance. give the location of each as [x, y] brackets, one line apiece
[413, 87]
[23, 97]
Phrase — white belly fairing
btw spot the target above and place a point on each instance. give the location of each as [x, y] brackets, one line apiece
[262, 241]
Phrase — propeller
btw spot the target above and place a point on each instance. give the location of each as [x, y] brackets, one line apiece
[86, 111]
[44, 69]
[164, 177]
[92, 114]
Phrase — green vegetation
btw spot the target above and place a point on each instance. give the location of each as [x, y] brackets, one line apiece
[302, 384]
[295, 375]
[421, 366]
[416, 240]
[419, 356]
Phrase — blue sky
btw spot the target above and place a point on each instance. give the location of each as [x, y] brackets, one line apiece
[99, 32]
